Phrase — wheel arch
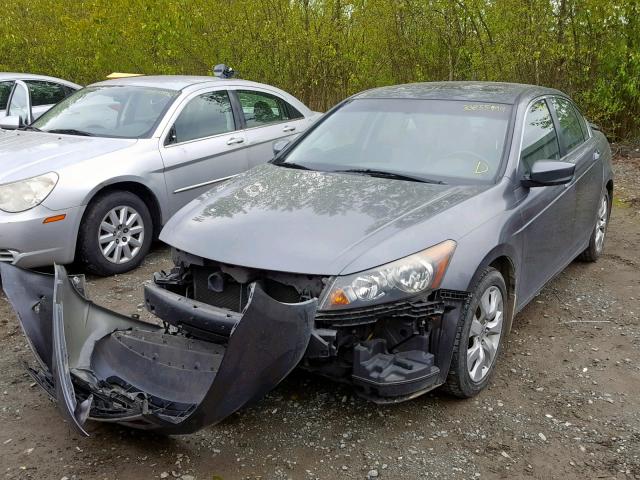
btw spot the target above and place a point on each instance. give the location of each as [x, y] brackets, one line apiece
[140, 190]
[502, 258]
[609, 187]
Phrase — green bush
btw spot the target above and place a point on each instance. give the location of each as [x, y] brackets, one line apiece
[325, 50]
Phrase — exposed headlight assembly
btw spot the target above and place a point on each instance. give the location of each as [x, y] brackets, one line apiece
[420, 272]
[25, 194]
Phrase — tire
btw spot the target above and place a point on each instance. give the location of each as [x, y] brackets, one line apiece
[461, 381]
[596, 241]
[132, 238]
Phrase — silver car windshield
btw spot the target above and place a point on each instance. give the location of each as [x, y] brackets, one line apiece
[433, 140]
[108, 111]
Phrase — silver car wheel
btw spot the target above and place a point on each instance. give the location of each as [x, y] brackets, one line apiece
[601, 224]
[121, 234]
[485, 333]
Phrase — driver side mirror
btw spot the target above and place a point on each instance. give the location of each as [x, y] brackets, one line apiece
[280, 145]
[12, 122]
[549, 172]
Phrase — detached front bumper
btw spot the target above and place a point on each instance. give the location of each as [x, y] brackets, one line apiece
[27, 242]
[99, 365]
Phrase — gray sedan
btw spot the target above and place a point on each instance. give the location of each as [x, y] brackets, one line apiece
[97, 176]
[25, 96]
[389, 247]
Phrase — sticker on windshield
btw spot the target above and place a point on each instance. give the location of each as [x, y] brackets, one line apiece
[481, 168]
[484, 107]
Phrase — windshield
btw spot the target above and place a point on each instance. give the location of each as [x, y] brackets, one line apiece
[108, 111]
[436, 140]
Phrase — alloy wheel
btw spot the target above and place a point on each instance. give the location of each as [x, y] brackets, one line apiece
[601, 224]
[121, 234]
[485, 334]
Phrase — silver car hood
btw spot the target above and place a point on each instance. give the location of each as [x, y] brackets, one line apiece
[24, 154]
[276, 218]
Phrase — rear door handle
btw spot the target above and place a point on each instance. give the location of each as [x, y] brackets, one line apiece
[289, 128]
[235, 140]
[596, 155]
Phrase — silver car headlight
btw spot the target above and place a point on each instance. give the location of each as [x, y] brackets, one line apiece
[28, 193]
[420, 272]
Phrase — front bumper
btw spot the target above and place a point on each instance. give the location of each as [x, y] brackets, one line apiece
[103, 366]
[27, 242]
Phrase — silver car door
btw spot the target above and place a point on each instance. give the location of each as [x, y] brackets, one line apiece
[202, 146]
[20, 103]
[267, 118]
[581, 150]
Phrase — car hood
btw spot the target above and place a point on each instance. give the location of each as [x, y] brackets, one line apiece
[277, 218]
[24, 154]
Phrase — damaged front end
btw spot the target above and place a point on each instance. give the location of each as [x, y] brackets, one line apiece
[229, 335]
[100, 365]
[390, 352]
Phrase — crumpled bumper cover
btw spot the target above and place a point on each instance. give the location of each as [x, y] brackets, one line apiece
[100, 365]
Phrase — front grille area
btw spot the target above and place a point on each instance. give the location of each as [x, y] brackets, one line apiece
[233, 295]
[413, 308]
[7, 256]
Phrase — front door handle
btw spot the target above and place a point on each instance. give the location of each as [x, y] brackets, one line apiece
[289, 128]
[235, 140]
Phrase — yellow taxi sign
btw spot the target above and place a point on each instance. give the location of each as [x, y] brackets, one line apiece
[113, 75]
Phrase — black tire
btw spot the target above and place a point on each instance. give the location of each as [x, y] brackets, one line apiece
[592, 252]
[89, 252]
[459, 382]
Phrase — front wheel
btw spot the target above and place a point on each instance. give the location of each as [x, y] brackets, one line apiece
[479, 336]
[115, 234]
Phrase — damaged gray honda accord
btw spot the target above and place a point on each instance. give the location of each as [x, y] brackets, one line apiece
[388, 247]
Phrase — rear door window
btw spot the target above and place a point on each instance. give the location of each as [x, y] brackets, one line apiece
[539, 141]
[5, 91]
[261, 108]
[571, 132]
[45, 93]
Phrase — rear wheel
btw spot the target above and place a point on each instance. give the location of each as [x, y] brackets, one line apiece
[115, 234]
[479, 336]
[596, 242]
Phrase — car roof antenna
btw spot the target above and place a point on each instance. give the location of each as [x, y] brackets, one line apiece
[223, 71]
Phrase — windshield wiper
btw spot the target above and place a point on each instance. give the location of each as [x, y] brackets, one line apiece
[393, 175]
[70, 131]
[29, 127]
[297, 166]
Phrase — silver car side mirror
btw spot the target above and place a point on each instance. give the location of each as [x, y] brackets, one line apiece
[11, 122]
[280, 145]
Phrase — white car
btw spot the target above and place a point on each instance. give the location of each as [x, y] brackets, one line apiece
[24, 97]
[96, 177]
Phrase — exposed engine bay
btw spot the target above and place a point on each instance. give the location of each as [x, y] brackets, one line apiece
[229, 336]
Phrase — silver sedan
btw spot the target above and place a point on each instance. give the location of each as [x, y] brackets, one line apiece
[25, 96]
[96, 177]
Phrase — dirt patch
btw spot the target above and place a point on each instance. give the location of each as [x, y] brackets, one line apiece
[565, 402]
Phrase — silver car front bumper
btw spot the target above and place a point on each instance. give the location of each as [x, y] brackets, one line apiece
[26, 241]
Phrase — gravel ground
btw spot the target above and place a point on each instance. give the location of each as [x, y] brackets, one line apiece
[564, 403]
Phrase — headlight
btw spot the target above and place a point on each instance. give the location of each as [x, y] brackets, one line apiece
[408, 276]
[26, 194]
